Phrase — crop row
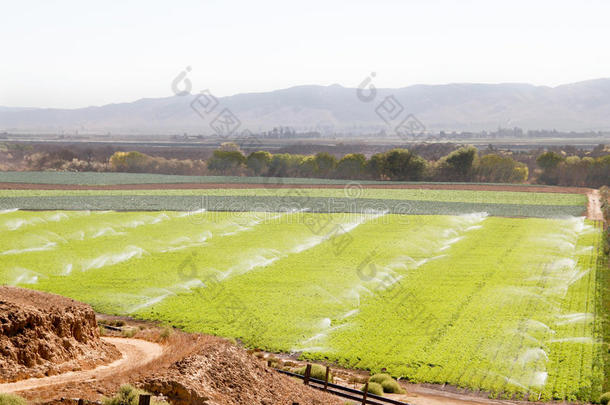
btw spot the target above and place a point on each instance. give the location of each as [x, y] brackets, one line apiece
[502, 305]
[283, 203]
[467, 196]
[94, 178]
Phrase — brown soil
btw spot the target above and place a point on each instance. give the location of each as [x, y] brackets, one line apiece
[188, 368]
[389, 185]
[416, 394]
[220, 373]
[135, 353]
[204, 366]
[44, 334]
[594, 206]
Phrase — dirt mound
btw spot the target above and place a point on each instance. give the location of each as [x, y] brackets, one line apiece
[44, 334]
[220, 373]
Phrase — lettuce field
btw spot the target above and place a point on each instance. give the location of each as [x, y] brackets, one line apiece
[509, 306]
[351, 198]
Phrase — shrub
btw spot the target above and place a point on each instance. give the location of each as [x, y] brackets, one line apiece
[374, 388]
[8, 399]
[226, 160]
[391, 386]
[317, 371]
[128, 395]
[165, 333]
[458, 165]
[379, 378]
[129, 333]
[605, 398]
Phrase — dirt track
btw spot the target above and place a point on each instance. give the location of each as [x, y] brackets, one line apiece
[389, 185]
[594, 206]
[136, 353]
[424, 396]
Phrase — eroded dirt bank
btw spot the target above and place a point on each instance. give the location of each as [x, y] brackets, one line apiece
[44, 334]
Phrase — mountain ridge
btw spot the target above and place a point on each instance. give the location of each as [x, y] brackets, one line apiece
[579, 106]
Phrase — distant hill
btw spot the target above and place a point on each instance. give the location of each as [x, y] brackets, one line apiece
[579, 106]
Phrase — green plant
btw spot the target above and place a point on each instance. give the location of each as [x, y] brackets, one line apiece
[129, 395]
[129, 333]
[317, 371]
[604, 399]
[374, 388]
[165, 333]
[392, 386]
[9, 399]
[488, 265]
[379, 378]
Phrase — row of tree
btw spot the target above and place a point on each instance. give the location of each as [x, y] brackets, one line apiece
[137, 162]
[557, 169]
[463, 164]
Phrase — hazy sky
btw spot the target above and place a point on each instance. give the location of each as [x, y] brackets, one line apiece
[78, 53]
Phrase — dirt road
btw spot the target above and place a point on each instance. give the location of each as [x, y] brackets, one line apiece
[135, 353]
[425, 396]
[594, 206]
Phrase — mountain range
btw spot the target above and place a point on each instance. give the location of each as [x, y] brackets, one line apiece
[581, 106]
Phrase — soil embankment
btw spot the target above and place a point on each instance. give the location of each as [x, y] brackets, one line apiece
[220, 373]
[44, 334]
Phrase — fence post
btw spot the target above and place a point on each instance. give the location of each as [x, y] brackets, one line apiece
[326, 378]
[307, 374]
[81, 402]
[144, 400]
[364, 394]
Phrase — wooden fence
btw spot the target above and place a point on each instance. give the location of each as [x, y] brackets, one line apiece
[361, 397]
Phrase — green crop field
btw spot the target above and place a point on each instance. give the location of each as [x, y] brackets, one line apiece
[108, 178]
[466, 196]
[351, 199]
[510, 306]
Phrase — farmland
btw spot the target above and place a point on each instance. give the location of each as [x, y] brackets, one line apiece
[352, 198]
[462, 299]
[466, 196]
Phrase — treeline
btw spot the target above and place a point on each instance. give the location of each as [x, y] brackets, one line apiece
[137, 162]
[463, 164]
[557, 169]
[466, 164]
[562, 166]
